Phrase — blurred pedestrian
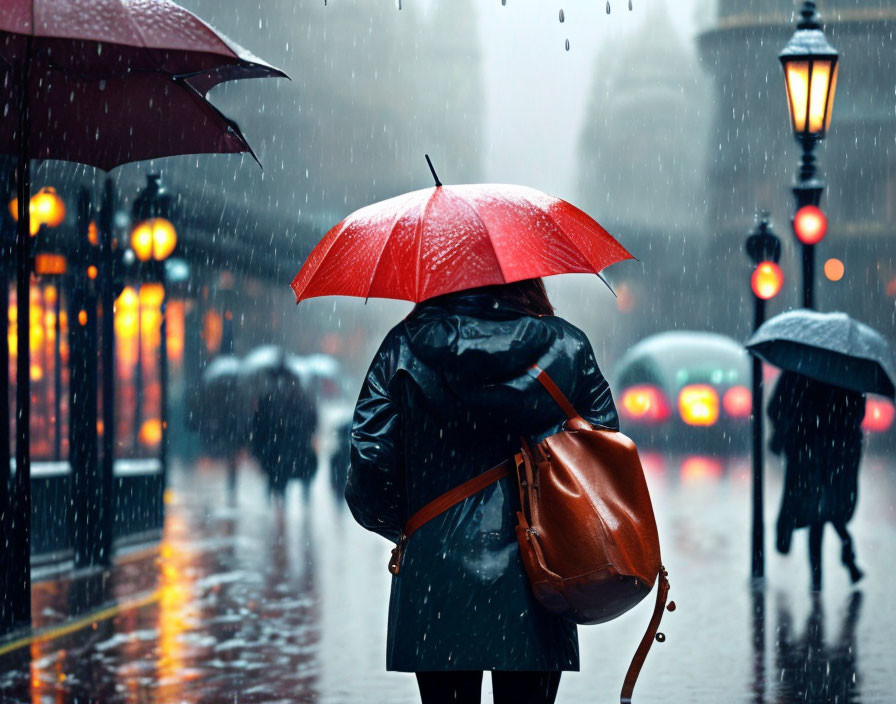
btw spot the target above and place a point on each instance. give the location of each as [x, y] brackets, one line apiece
[218, 414]
[818, 428]
[447, 397]
[282, 433]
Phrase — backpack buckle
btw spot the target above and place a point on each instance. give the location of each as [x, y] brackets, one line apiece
[397, 551]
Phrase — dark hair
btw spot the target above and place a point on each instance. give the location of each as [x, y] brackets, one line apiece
[528, 295]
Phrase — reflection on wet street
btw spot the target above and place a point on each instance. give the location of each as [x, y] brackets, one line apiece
[245, 601]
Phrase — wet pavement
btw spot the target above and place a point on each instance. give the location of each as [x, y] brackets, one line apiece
[248, 602]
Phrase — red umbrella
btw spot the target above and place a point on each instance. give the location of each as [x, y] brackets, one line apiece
[451, 238]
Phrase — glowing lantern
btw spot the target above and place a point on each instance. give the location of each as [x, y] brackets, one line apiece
[810, 75]
[150, 433]
[154, 239]
[46, 208]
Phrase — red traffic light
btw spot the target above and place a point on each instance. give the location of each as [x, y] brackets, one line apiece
[767, 280]
[810, 224]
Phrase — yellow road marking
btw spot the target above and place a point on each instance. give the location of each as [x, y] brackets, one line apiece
[43, 635]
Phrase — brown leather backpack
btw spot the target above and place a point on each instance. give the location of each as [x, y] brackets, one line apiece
[586, 529]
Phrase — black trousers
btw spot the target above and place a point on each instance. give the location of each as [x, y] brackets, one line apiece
[507, 687]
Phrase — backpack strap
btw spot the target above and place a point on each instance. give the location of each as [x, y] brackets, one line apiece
[575, 420]
[442, 503]
[634, 669]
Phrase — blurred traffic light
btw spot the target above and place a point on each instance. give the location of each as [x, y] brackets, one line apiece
[810, 224]
[767, 280]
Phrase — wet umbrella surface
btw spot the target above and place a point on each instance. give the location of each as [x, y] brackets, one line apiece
[829, 347]
[450, 238]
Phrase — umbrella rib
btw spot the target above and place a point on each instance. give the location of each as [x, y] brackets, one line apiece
[399, 214]
[232, 126]
[140, 34]
[420, 224]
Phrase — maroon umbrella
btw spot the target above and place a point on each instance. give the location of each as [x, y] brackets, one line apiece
[105, 82]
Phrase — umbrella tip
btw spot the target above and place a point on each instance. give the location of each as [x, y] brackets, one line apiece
[432, 168]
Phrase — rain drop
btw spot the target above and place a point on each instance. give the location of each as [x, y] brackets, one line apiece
[608, 7]
[562, 18]
[629, 5]
[503, 2]
[567, 44]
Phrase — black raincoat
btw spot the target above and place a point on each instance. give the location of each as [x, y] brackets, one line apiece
[446, 398]
[818, 428]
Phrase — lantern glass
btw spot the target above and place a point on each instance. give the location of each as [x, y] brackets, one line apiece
[832, 91]
[811, 83]
[819, 92]
[797, 77]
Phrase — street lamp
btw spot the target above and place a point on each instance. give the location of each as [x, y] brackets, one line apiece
[48, 210]
[153, 240]
[810, 66]
[764, 250]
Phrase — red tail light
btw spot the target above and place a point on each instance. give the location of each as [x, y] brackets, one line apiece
[644, 403]
[738, 402]
[698, 404]
[696, 468]
[879, 415]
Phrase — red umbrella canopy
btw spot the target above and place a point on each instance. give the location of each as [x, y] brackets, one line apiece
[113, 81]
[451, 238]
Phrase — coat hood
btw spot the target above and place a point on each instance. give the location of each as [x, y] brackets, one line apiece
[474, 351]
[477, 338]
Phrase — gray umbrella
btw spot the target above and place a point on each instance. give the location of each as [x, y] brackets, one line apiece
[829, 347]
[222, 368]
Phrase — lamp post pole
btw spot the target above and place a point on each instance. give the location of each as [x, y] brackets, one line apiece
[764, 250]
[153, 240]
[87, 501]
[19, 541]
[106, 502]
[9, 569]
[807, 191]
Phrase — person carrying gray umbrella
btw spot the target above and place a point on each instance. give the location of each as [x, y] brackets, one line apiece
[829, 362]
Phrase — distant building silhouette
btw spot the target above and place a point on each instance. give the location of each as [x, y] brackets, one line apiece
[642, 170]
